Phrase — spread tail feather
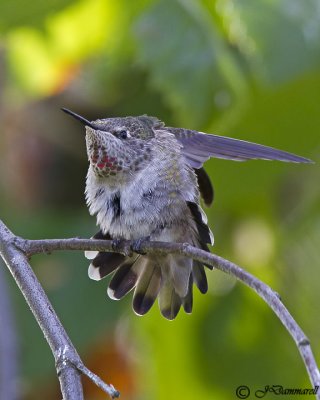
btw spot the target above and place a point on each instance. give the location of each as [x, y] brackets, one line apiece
[200, 278]
[125, 278]
[180, 269]
[169, 301]
[187, 301]
[103, 264]
[147, 288]
[170, 277]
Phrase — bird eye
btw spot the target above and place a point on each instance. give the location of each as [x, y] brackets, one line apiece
[123, 134]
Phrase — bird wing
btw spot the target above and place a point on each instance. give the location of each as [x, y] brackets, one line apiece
[197, 147]
[205, 186]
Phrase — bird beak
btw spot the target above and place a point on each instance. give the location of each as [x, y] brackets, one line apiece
[79, 118]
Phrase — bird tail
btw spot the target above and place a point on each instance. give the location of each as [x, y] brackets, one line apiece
[170, 278]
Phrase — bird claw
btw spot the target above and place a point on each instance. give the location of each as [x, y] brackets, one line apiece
[137, 244]
[116, 244]
[121, 246]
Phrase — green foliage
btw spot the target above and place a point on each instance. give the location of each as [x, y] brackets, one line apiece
[188, 44]
[15, 13]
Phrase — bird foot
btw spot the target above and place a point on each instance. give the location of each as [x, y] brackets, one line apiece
[137, 244]
[119, 246]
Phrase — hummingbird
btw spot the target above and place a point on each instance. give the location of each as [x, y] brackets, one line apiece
[144, 182]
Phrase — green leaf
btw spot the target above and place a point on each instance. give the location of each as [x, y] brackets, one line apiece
[188, 61]
[279, 38]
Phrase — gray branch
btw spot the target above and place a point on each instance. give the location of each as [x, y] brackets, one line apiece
[31, 247]
[159, 248]
[68, 363]
[9, 388]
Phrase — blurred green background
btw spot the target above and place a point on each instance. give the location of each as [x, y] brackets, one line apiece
[249, 69]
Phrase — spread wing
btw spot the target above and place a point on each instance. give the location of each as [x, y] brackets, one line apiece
[199, 147]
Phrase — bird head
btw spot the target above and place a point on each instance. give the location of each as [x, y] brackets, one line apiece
[118, 145]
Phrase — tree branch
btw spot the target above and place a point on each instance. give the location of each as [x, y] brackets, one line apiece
[31, 247]
[9, 371]
[68, 363]
[160, 248]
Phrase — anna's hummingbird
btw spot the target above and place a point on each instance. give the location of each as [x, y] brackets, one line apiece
[144, 182]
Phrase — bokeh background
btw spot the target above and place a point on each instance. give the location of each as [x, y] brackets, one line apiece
[249, 69]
